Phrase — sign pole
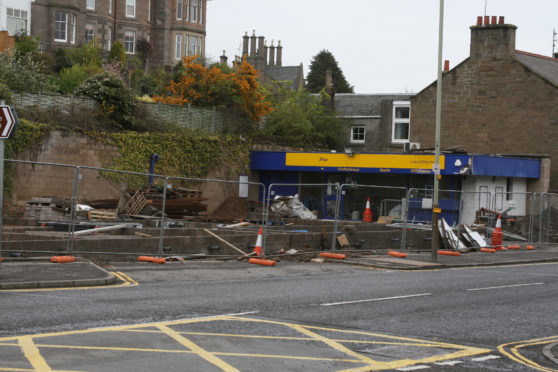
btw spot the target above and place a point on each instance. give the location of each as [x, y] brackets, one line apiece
[435, 205]
[2, 102]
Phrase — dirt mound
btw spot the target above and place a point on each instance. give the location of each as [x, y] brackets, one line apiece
[236, 208]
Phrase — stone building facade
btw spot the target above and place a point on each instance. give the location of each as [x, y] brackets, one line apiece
[498, 100]
[70, 23]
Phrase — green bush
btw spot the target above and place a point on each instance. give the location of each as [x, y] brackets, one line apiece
[71, 78]
[117, 52]
[5, 93]
[116, 102]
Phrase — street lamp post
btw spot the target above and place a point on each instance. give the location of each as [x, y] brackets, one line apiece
[435, 204]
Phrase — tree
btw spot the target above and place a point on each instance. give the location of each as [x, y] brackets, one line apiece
[237, 91]
[117, 52]
[320, 64]
[302, 119]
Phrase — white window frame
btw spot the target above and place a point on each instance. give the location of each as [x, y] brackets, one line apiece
[187, 12]
[179, 9]
[18, 16]
[64, 22]
[353, 133]
[396, 121]
[110, 6]
[193, 46]
[194, 10]
[201, 13]
[178, 46]
[74, 25]
[89, 27]
[131, 8]
[90, 4]
[127, 34]
[148, 10]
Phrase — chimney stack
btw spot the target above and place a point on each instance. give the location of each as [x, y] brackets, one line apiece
[494, 39]
[446, 66]
[272, 54]
[245, 39]
[253, 44]
[223, 59]
[261, 55]
[279, 60]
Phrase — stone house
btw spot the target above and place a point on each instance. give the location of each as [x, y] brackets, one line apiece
[376, 122]
[174, 28]
[497, 101]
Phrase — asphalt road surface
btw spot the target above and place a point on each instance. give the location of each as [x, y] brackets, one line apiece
[294, 317]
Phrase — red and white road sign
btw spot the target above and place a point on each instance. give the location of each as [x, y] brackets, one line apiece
[7, 121]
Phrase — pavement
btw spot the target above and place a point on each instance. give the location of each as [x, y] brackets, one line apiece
[35, 273]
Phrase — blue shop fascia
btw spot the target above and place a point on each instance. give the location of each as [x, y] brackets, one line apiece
[468, 182]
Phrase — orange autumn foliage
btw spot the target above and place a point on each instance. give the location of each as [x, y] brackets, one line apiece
[206, 87]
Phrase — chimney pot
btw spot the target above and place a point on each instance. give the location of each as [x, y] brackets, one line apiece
[501, 20]
[494, 20]
[479, 21]
[446, 65]
[486, 20]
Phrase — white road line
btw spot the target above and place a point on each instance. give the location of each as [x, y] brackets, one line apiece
[375, 299]
[413, 368]
[449, 363]
[504, 286]
[485, 358]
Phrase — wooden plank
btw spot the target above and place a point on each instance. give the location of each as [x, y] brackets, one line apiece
[224, 241]
[101, 229]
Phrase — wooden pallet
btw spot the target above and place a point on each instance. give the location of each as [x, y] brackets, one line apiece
[136, 203]
[101, 215]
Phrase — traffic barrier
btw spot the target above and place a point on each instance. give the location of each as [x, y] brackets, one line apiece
[449, 253]
[261, 261]
[337, 256]
[514, 247]
[152, 259]
[397, 254]
[367, 215]
[488, 250]
[497, 234]
[529, 247]
[62, 259]
[500, 248]
[258, 247]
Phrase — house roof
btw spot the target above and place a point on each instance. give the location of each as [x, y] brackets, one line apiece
[351, 105]
[286, 73]
[545, 67]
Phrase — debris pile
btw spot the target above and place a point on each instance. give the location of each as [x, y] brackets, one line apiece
[291, 206]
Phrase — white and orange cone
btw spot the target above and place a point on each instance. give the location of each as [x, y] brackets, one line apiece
[258, 247]
[497, 235]
[367, 215]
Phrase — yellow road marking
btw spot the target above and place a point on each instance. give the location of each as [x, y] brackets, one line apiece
[211, 358]
[16, 369]
[336, 345]
[33, 355]
[273, 356]
[515, 355]
[127, 282]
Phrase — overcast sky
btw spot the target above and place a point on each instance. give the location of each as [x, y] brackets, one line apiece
[382, 46]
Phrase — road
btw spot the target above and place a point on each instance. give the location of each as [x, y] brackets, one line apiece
[295, 316]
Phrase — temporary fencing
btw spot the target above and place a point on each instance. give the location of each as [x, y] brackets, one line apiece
[545, 219]
[72, 185]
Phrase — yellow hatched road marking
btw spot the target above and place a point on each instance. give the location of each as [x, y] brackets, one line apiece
[33, 355]
[211, 358]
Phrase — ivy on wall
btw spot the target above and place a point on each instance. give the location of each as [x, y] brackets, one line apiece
[180, 155]
[28, 136]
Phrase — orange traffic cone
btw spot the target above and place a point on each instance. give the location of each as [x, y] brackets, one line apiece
[497, 235]
[258, 247]
[367, 215]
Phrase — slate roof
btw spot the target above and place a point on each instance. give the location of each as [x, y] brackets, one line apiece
[286, 73]
[545, 67]
[350, 104]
